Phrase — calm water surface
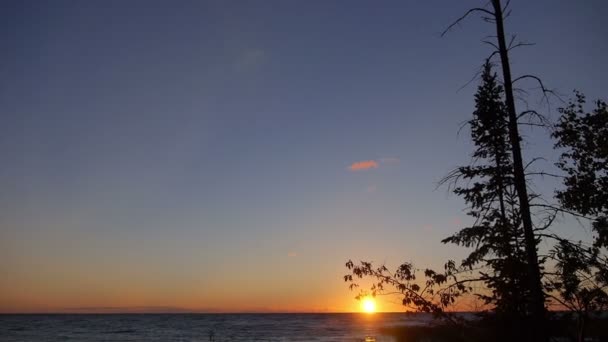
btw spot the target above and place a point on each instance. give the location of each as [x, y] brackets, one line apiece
[202, 327]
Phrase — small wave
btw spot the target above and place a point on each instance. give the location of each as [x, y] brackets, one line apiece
[124, 331]
[17, 329]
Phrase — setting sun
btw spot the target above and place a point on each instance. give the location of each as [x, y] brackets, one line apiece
[368, 305]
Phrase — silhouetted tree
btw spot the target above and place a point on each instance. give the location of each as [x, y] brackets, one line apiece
[497, 15]
[433, 295]
[498, 258]
[504, 236]
[584, 136]
[521, 187]
[581, 276]
[496, 235]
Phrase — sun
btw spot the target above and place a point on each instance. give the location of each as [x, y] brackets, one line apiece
[368, 305]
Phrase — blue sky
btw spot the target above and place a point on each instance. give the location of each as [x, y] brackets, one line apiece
[157, 143]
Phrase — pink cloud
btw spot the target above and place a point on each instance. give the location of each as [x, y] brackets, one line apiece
[363, 165]
[292, 254]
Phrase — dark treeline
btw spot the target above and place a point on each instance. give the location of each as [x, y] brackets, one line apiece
[505, 269]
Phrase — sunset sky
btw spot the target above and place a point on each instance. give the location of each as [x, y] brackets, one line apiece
[231, 156]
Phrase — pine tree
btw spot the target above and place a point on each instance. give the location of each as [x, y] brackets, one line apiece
[496, 234]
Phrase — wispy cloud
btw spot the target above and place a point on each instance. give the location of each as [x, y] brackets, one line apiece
[292, 254]
[363, 165]
[372, 164]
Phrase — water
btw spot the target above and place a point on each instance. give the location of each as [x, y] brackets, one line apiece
[203, 327]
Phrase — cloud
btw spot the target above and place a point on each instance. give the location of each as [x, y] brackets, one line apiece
[292, 254]
[363, 165]
[372, 164]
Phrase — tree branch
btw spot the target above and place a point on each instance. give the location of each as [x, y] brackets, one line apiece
[472, 10]
[561, 210]
[491, 44]
[521, 44]
[544, 89]
[542, 173]
[533, 161]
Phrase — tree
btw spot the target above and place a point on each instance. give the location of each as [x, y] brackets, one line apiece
[498, 258]
[537, 296]
[504, 236]
[584, 136]
[496, 15]
[496, 234]
[581, 277]
[438, 291]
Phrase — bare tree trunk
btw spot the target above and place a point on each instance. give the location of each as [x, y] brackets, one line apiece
[538, 300]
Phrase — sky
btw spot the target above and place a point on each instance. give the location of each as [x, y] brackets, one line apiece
[231, 156]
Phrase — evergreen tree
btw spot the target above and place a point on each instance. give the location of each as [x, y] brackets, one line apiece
[496, 234]
[504, 236]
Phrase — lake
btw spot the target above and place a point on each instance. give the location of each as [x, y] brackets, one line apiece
[203, 327]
